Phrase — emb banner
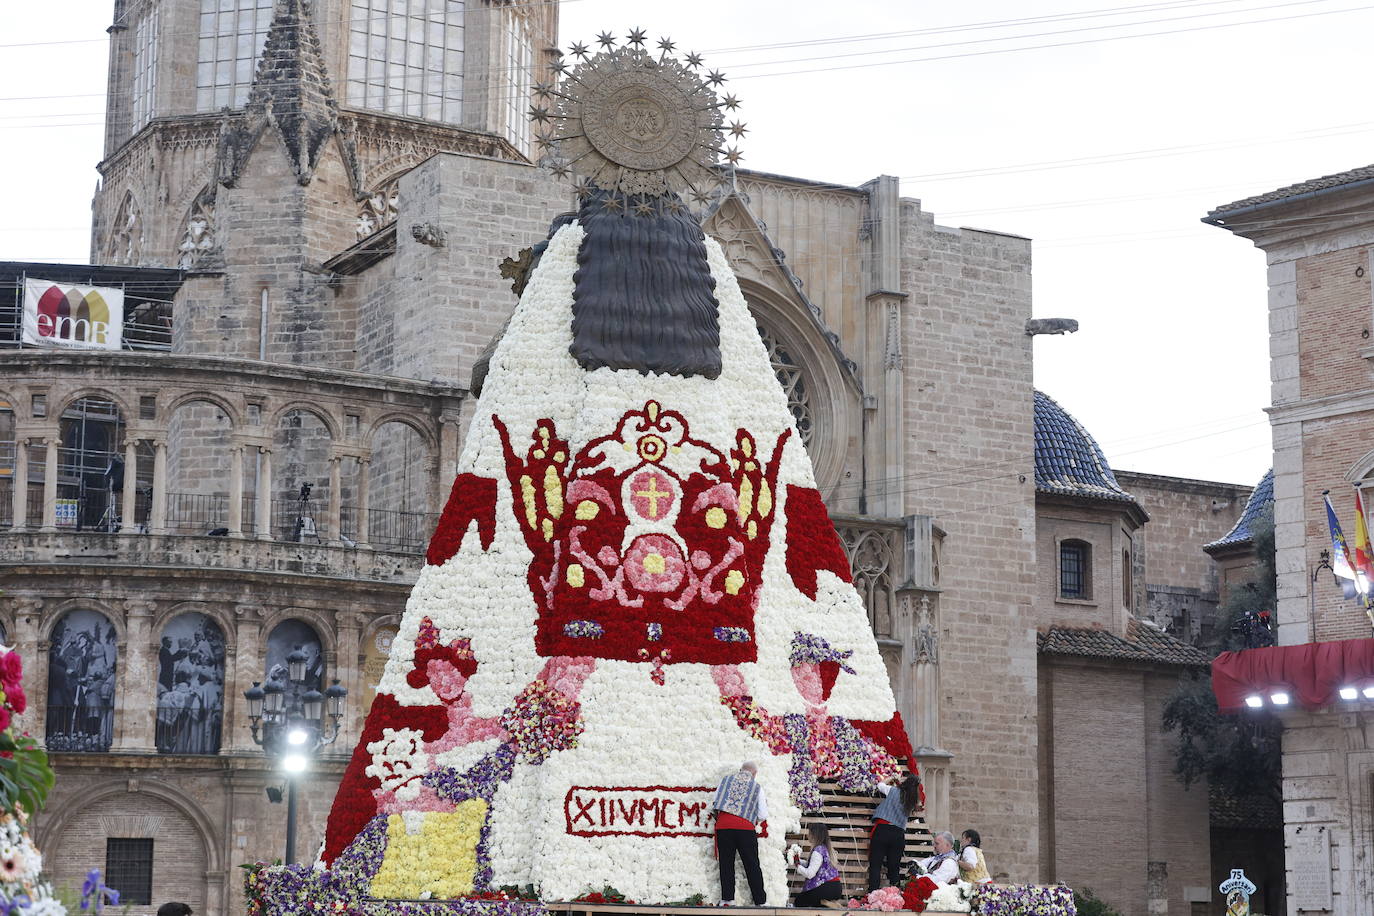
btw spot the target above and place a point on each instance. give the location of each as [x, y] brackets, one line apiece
[75, 317]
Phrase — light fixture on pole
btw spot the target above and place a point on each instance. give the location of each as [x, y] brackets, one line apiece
[288, 723]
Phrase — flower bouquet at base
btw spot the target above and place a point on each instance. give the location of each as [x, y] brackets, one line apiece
[25, 779]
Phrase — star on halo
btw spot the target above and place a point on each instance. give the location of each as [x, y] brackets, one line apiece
[564, 118]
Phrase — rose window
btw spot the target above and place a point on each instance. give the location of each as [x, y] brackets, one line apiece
[789, 374]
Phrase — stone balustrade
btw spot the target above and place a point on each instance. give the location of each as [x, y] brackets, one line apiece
[222, 428]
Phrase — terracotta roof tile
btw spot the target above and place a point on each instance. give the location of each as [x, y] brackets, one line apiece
[1363, 173]
[1143, 643]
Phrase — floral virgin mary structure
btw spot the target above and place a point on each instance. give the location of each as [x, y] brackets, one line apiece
[634, 584]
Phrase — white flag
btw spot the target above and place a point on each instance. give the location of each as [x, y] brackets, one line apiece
[74, 317]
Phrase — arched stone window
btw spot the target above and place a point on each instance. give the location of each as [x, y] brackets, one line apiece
[92, 432]
[190, 686]
[793, 380]
[285, 638]
[81, 683]
[379, 209]
[126, 233]
[198, 238]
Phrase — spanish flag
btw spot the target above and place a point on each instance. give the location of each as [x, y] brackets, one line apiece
[1364, 558]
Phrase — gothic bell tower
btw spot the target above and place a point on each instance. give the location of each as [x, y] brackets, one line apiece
[248, 141]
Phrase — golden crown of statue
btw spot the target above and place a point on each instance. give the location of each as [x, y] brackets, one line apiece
[636, 123]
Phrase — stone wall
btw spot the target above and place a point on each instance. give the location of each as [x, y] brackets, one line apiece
[1180, 585]
[1110, 538]
[968, 418]
[1328, 800]
[1108, 758]
[1318, 249]
[456, 299]
[218, 802]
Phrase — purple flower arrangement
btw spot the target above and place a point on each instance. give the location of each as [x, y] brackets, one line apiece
[808, 648]
[583, 629]
[1023, 900]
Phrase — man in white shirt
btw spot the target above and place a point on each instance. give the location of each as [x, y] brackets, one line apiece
[943, 867]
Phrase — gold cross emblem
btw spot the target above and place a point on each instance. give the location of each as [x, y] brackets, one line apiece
[653, 494]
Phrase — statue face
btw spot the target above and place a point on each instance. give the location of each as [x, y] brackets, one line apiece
[807, 678]
[446, 680]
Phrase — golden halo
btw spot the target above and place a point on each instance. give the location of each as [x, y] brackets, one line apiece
[628, 121]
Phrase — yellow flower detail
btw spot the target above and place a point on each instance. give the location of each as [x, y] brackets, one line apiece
[547, 527]
[527, 496]
[441, 857]
[746, 498]
[586, 510]
[654, 563]
[575, 575]
[734, 581]
[553, 492]
[715, 517]
[752, 530]
[765, 501]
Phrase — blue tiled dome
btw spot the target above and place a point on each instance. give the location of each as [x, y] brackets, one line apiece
[1261, 500]
[1068, 460]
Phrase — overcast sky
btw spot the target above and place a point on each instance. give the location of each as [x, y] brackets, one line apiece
[1040, 118]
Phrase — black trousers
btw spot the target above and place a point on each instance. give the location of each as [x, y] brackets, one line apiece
[886, 848]
[830, 890]
[746, 843]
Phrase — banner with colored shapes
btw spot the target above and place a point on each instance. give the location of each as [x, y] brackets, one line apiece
[73, 317]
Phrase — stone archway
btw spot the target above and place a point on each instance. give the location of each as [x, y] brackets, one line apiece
[146, 821]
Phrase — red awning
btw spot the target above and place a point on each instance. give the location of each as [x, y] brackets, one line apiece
[1311, 674]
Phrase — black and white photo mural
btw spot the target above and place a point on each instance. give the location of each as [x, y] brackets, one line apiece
[286, 637]
[81, 682]
[190, 686]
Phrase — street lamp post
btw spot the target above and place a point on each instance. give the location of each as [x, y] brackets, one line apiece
[289, 725]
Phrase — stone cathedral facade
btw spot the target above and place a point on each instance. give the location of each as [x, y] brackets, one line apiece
[309, 204]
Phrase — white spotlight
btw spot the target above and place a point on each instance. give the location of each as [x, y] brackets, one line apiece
[294, 763]
[1349, 693]
[1369, 692]
[1254, 701]
[1279, 698]
[297, 736]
